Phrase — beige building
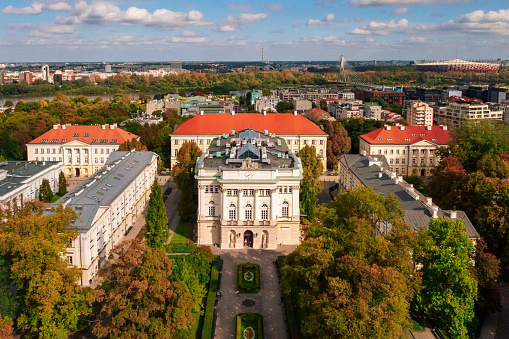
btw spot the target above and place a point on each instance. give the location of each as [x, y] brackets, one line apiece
[83, 149]
[248, 192]
[419, 114]
[458, 112]
[410, 150]
[107, 205]
[295, 129]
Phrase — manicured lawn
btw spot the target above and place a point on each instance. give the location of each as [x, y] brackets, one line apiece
[208, 317]
[182, 233]
[180, 242]
[248, 280]
[251, 321]
[55, 198]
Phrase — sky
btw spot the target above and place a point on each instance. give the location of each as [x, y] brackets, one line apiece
[218, 30]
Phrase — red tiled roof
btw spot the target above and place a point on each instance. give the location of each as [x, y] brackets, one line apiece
[221, 123]
[96, 132]
[408, 135]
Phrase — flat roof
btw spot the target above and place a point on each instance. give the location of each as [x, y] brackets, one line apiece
[15, 174]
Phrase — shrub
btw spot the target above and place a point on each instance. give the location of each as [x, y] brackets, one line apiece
[245, 286]
[253, 320]
[206, 332]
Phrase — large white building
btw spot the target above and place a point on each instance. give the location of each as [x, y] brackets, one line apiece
[410, 150]
[248, 192]
[295, 129]
[457, 113]
[20, 181]
[107, 205]
[83, 149]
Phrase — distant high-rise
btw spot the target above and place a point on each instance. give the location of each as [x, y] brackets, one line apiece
[58, 78]
[45, 73]
[107, 68]
[26, 77]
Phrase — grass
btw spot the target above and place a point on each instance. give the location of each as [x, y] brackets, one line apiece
[248, 285]
[208, 318]
[180, 243]
[55, 198]
[167, 191]
[180, 247]
[182, 233]
[253, 320]
[291, 315]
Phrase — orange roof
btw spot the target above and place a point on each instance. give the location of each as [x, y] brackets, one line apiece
[221, 123]
[89, 134]
[408, 135]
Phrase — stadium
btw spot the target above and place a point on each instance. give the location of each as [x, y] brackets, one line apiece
[457, 65]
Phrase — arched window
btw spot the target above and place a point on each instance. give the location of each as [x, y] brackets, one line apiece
[265, 212]
[232, 212]
[212, 209]
[249, 212]
[284, 211]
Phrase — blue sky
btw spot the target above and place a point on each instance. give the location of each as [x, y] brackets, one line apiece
[209, 30]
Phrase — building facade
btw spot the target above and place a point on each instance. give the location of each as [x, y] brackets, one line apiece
[456, 113]
[410, 150]
[248, 192]
[82, 149]
[419, 114]
[294, 128]
[20, 181]
[107, 204]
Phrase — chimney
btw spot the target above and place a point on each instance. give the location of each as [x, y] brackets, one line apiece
[428, 128]
[435, 213]
[266, 132]
[232, 132]
[103, 126]
[233, 113]
[295, 113]
[112, 127]
[403, 128]
[380, 175]
[363, 153]
[63, 126]
[201, 112]
[444, 128]
[387, 127]
[429, 202]
[264, 112]
[56, 126]
[454, 215]
[43, 163]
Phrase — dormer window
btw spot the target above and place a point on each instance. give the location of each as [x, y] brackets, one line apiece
[94, 141]
[113, 141]
[86, 134]
[76, 135]
[414, 134]
[44, 141]
[381, 139]
[63, 140]
[389, 139]
[103, 141]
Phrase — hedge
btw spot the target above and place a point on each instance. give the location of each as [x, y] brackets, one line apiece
[249, 317]
[242, 285]
[206, 332]
[289, 307]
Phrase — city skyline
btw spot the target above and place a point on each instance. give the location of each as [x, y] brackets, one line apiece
[47, 31]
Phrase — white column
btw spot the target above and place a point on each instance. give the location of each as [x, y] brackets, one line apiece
[255, 207]
[224, 213]
[273, 203]
[240, 216]
[295, 201]
[201, 200]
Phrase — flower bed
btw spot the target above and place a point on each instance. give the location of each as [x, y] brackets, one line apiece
[248, 278]
[249, 326]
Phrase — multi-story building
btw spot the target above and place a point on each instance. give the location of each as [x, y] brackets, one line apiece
[20, 181]
[294, 128]
[374, 172]
[45, 73]
[107, 205]
[389, 96]
[372, 110]
[266, 104]
[26, 77]
[410, 150]
[160, 105]
[419, 114]
[302, 105]
[82, 149]
[248, 192]
[456, 113]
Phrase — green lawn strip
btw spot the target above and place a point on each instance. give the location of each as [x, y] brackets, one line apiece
[289, 308]
[206, 332]
[180, 247]
[55, 198]
[418, 322]
[182, 233]
[244, 283]
[253, 320]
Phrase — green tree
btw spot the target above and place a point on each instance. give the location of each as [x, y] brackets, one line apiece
[338, 143]
[443, 184]
[311, 185]
[62, 184]
[156, 221]
[284, 106]
[140, 298]
[346, 282]
[45, 192]
[448, 291]
[50, 302]
[134, 144]
[183, 175]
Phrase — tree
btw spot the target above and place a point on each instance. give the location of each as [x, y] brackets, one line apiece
[311, 185]
[266, 92]
[284, 106]
[447, 175]
[346, 282]
[183, 175]
[45, 192]
[51, 304]
[323, 105]
[134, 144]
[338, 143]
[448, 291]
[62, 184]
[156, 221]
[140, 299]
[487, 273]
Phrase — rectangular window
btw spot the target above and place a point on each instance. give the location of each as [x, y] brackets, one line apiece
[249, 214]
[321, 142]
[176, 152]
[390, 161]
[232, 213]
[96, 160]
[36, 151]
[175, 142]
[284, 211]
[212, 210]
[265, 214]
[206, 189]
[397, 161]
[296, 142]
[69, 160]
[403, 161]
[102, 151]
[69, 260]
[312, 142]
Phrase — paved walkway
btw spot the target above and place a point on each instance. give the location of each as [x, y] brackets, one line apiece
[268, 301]
[171, 205]
[496, 325]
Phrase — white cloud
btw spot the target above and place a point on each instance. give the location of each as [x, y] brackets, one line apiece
[275, 8]
[104, 13]
[320, 40]
[373, 3]
[37, 8]
[400, 11]
[382, 28]
[321, 22]
[239, 7]
[232, 24]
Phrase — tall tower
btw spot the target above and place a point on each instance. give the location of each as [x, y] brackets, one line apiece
[45, 73]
